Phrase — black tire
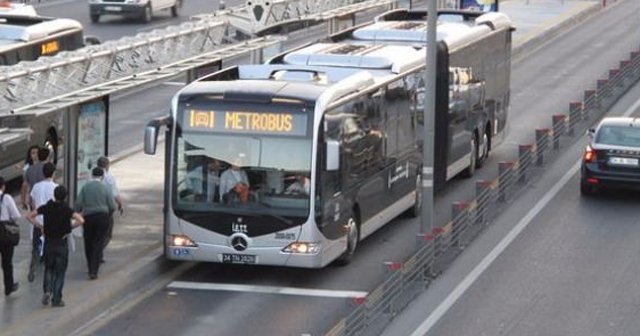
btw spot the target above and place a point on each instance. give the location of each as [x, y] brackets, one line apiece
[353, 236]
[175, 9]
[95, 18]
[147, 14]
[586, 189]
[416, 209]
[483, 150]
[471, 169]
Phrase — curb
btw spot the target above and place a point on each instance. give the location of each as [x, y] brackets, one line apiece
[146, 268]
[129, 280]
[537, 39]
[154, 274]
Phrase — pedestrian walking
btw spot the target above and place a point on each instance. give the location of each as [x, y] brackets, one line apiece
[41, 193]
[8, 213]
[32, 156]
[56, 226]
[33, 175]
[111, 184]
[96, 204]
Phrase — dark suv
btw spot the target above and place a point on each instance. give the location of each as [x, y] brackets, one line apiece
[612, 157]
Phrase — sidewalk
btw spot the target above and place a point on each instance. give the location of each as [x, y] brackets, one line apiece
[134, 260]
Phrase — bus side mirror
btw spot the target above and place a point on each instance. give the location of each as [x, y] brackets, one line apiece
[591, 132]
[91, 40]
[150, 139]
[151, 133]
[333, 155]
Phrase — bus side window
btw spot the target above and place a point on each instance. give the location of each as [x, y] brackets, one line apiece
[331, 180]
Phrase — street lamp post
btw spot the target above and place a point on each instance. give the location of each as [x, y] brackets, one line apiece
[429, 120]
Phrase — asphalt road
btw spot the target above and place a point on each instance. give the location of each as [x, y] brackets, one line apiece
[113, 27]
[543, 84]
[572, 271]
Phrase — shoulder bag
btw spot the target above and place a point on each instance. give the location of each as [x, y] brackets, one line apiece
[9, 230]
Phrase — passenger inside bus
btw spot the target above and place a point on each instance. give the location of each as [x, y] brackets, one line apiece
[193, 180]
[301, 186]
[214, 167]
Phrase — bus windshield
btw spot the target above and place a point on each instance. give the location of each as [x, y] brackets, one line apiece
[240, 173]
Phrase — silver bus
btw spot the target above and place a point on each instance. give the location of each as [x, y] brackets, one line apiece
[294, 162]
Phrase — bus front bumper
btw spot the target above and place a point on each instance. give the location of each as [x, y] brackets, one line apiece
[272, 256]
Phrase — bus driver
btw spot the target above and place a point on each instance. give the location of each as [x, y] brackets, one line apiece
[234, 184]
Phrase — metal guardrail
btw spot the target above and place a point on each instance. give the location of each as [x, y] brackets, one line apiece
[437, 249]
[262, 15]
[28, 83]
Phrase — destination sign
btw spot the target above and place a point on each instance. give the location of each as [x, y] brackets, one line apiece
[246, 122]
[49, 48]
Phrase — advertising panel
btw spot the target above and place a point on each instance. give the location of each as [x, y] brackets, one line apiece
[92, 139]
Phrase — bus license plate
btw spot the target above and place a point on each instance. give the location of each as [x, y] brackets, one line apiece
[238, 258]
[623, 161]
[113, 8]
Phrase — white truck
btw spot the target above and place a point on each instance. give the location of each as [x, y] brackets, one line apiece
[140, 9]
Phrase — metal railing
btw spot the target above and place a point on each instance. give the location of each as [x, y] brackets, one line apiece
[436, 250]
[263, 15]
[28, 83]
[57, 81]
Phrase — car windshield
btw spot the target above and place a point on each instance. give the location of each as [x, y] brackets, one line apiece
[618, 136]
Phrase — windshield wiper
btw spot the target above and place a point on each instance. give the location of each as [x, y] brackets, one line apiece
[269, 212]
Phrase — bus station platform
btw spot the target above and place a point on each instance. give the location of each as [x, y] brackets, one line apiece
[134, 264]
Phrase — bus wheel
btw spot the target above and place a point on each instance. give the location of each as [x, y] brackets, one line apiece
[483, 151]
[473, 144]
[95, 18]
[416, 209]
[352, 242]
[147, 15]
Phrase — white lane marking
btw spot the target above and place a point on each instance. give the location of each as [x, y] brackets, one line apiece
[462, 287]
[174, 83]
[266, 289]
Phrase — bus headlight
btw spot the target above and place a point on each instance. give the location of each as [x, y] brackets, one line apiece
[182, 241]
[302, 248]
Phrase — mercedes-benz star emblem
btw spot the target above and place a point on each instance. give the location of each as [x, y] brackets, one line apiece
[239, 243]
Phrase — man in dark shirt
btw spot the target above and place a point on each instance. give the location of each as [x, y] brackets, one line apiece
[96, 203]
[33, 175]
[57, 226]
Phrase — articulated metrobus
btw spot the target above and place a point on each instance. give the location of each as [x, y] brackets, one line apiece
[25, 36]
[294, 162]
[473, 79]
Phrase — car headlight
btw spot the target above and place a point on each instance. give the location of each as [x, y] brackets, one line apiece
[302, 248]
[181, 241]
